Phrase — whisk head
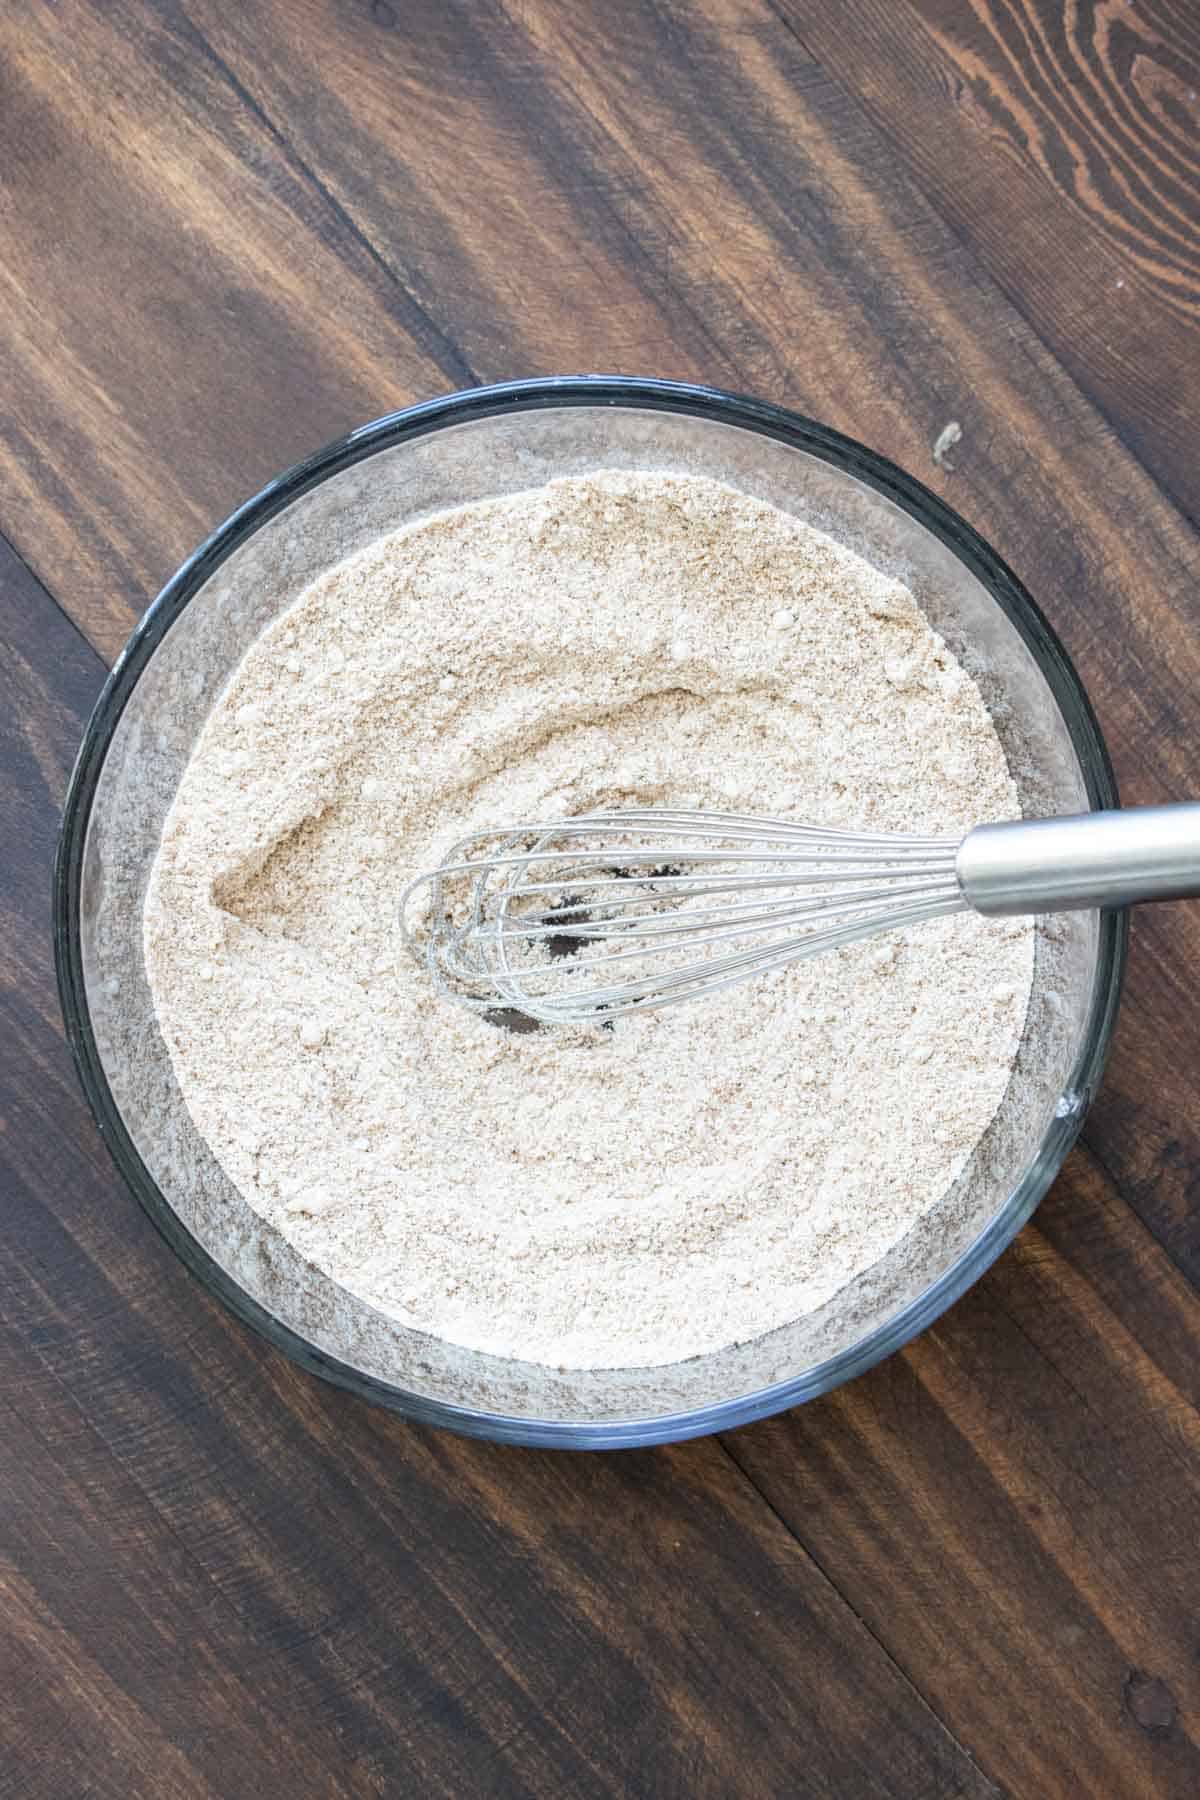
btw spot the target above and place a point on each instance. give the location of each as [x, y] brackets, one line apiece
[609, 913]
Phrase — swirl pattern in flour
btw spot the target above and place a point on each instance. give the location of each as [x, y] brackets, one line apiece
[600, 1198]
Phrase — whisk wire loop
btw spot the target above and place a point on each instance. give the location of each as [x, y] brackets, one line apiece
[616, 912]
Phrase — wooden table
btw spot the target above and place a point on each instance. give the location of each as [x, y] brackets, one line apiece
[231, 229]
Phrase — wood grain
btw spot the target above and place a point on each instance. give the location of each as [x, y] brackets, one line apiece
[186, 311]
[1028, 1470]
[1062, 144]
[228, 233]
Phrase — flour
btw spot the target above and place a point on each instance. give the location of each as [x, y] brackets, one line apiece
[596, 1198]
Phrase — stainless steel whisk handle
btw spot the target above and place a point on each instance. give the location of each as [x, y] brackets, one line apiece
[1088, 859]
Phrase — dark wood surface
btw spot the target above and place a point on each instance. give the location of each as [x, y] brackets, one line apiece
[231, 229]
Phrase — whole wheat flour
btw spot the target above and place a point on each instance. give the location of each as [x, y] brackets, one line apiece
[596, 1198]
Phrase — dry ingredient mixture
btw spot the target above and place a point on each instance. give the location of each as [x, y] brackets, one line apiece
[596, 1198]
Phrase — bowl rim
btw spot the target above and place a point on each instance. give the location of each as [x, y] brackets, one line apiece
[643, 393]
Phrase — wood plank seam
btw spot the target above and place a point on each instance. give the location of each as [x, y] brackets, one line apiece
[1008, 293]
[430, 336]
[900, 1671]
[1088, 1146]
[1170, 1444]
[34, 455]
[655, 277]
[8, 547]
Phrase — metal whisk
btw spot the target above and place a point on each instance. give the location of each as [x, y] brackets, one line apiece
[580, 921]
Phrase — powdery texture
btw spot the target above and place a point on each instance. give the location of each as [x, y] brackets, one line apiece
[603, 1198]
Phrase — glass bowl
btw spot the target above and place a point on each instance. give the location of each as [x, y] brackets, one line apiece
[469, 446]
